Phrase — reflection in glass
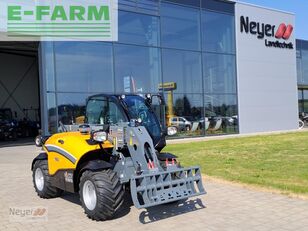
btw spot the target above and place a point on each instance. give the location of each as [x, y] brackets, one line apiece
[221, 114]
[299, 70]
[219, 73]
[184, 69]
[180, 27]
[304, 67]
[305, 101]
[187, 114]
[84, 66]
[138, 29]
[137, 69]
[221, 6]
[52, 113]
[300, 102]
[71, 108]
[195, 3]
[48, 65]
[218, 32]
[75, 70]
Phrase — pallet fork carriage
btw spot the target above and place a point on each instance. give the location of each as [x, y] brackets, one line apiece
[118, 147]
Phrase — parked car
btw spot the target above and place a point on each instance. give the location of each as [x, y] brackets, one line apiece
[8, 126]
[181, 123]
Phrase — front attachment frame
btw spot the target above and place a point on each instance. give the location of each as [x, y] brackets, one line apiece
[158, 187]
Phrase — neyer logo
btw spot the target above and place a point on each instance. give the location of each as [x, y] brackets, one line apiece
[284, 31]
[262, 30]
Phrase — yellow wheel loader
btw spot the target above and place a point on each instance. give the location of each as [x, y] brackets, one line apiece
[118, 147]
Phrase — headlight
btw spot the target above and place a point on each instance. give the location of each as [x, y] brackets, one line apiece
[99, 136]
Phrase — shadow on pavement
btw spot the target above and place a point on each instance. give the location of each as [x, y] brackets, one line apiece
[123, 210]
[161, 212]
[71, 197]
[19, 142]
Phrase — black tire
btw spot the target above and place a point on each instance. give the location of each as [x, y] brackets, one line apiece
[38, 141]
[48, 191]
[109, 194]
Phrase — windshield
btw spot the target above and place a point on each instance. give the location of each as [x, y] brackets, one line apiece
[138, 109]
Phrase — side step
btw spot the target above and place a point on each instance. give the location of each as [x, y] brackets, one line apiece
[157, 188]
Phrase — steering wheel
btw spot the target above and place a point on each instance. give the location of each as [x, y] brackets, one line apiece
[143, 116]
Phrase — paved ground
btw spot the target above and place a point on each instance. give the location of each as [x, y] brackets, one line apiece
[225, 207]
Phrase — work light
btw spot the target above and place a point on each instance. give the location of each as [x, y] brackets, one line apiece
[99, 136]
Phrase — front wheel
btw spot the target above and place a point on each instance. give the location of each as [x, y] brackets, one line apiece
[42, 181]
[101, 194]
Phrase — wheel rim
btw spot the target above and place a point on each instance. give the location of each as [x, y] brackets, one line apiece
[39, 179]
[89, 195]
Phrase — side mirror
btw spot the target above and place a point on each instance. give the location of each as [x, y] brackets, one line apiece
[171, 131]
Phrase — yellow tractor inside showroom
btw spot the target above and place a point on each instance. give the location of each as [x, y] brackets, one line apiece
[118, 147]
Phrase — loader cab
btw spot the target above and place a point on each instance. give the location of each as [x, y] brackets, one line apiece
[112, 110]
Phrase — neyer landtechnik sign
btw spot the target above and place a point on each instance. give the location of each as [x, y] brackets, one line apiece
[268, 31]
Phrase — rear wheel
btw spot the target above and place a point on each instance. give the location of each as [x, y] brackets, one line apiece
[101, 194]
[42, 182]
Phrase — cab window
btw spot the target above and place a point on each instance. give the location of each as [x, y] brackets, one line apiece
[101, 110]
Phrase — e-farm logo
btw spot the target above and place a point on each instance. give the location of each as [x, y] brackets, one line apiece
[59, 20]
[268, 31]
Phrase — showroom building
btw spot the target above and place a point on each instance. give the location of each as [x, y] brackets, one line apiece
[232, 67]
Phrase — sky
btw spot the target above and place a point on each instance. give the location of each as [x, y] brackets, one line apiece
[299, 7]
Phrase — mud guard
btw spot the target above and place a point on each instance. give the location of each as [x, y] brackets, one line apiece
[41, 156]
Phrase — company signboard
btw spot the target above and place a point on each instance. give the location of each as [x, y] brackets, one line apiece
[22, 20]
[266, 69]
[268, 32]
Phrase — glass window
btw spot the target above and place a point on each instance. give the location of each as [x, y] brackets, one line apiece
[143, 6]
[100, 110]
[138, 109]
[138, 29]
[221, 114]
[219, 73]
[299, 71]
[305, 101]
[195, 3]
[304, 65]
[304, 45]
[185, 114]
[184, 69]
[218, 6]
[218, 32]
[84, 67]
[71, 108]
[298, 48]
[300, 101]
[48, 66]
[180, 27]
[137, 69]
[52, 113]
